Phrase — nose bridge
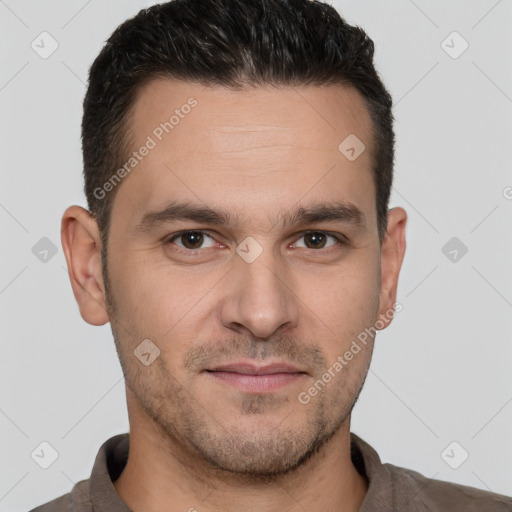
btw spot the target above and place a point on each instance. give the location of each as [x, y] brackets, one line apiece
[259, 295]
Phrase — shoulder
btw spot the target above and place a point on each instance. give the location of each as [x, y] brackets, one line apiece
[446, 496]
[62, 504]
[406, 489]
[77, 500]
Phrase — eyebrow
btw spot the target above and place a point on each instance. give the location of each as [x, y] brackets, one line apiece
[323, 212]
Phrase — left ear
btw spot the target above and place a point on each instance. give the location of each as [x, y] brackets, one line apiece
[392, 255]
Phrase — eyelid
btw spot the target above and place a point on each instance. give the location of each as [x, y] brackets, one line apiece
[170, 238]
[339, 237]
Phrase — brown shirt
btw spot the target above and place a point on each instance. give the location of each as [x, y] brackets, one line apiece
[391, 488]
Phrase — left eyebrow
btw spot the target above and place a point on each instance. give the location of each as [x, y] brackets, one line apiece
[319, 213]
[325, 212]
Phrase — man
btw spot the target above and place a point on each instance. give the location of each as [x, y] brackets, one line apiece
[238, 159]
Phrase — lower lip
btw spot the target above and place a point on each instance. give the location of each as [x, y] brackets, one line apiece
[257, 383]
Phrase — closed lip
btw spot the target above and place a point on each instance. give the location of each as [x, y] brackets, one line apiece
[246, 368]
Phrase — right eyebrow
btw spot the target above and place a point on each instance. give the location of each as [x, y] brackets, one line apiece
[185, 211]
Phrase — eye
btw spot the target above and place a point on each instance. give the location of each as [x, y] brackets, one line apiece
[318, 239]
[191, 240]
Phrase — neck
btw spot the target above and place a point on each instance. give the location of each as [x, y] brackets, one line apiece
[161, 475]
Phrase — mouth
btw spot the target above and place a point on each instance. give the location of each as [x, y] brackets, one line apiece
[253, 378]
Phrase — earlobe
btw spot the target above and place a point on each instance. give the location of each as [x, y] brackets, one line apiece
[392, 255]
[81, 243]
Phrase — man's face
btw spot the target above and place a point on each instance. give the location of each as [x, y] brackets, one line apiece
[285, 304]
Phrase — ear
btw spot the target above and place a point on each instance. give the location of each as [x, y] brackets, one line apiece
[392, 255]
[81, 242]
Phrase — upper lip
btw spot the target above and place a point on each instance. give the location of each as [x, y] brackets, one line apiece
[246, 368]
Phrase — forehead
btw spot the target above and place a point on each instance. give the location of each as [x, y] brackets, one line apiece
[324, 112]
[266, 144]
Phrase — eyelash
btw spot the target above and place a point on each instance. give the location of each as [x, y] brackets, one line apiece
[338, 237]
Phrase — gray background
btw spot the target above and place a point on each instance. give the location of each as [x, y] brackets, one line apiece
[441, 372]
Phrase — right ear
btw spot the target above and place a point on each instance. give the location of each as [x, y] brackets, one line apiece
[80, 237]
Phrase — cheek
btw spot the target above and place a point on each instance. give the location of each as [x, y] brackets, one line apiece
[351, 291]
[143, 299]
[346, 302]
[158, 304]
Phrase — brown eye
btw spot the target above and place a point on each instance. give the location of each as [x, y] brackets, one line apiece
[315, 240]
[192, 240]
[319, 240]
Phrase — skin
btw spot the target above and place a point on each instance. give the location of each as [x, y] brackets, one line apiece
[197, 442]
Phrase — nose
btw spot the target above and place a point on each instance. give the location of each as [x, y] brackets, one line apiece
[259, 297]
